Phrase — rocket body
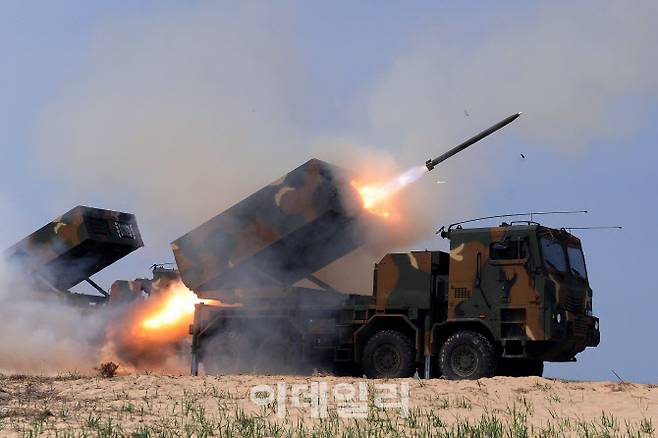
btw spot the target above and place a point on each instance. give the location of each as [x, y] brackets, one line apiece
[430, 164]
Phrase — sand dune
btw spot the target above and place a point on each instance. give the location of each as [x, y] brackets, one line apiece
[164, 405]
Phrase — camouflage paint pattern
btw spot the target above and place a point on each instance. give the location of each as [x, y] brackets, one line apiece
[403, 280]
[278, 235]
[76, 245]
[483, 287]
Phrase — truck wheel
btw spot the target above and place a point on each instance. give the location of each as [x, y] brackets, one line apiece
[388, 354]
[467, 355]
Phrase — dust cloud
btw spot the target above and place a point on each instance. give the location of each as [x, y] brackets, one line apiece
[42, 334]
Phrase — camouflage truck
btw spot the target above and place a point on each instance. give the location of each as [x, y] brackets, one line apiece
[73, 247]
[502, 301]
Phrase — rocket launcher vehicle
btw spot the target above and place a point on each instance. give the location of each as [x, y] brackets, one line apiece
[75, 246]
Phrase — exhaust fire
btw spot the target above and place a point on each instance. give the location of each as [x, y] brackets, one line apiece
[176, 307]
[378, 198]
[151, 333]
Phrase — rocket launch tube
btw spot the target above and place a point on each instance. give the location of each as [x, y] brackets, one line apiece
[430, 164]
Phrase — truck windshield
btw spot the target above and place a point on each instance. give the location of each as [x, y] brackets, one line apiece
[577, 261]
[553, 253]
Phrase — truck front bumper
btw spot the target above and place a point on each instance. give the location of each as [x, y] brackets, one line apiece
[571, 335]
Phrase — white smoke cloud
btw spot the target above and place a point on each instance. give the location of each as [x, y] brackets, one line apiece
[180, 113]
[41, 334]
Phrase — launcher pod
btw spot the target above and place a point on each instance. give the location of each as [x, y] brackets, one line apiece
[75, 246]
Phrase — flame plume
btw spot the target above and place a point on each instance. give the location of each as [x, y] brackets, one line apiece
[177, 307]
[152, 331]
[378, 198]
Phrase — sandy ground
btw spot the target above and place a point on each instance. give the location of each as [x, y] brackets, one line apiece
[150, 405]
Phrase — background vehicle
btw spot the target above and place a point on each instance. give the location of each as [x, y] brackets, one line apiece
[73, 247]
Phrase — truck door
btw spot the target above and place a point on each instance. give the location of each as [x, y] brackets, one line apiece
[439, 287]
[519, 301]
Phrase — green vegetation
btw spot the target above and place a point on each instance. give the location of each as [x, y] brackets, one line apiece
[199, 423]
[208, 411]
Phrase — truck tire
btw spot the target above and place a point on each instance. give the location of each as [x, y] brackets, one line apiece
[467, 355]
[388, 354]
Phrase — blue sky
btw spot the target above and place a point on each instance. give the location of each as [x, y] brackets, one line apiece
[301, 79]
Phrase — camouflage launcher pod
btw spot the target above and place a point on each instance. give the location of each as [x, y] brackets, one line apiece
[75, 246]
[281, 234]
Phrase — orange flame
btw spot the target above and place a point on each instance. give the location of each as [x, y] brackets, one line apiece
[177, 307]
[151, 331]
[375, 199]
[174, 309]
[379, 198]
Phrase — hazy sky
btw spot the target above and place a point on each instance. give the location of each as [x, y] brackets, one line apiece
[173, 110]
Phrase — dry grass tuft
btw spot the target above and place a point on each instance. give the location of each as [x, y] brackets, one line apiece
[107, 370]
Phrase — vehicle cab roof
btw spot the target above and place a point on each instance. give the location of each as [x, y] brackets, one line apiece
[514, 229]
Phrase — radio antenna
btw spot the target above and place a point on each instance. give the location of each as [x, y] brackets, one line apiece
[612, 227]
[498, 216]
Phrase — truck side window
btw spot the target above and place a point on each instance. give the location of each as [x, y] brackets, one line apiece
[508, 250]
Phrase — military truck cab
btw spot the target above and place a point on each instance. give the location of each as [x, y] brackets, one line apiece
[502, 301]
